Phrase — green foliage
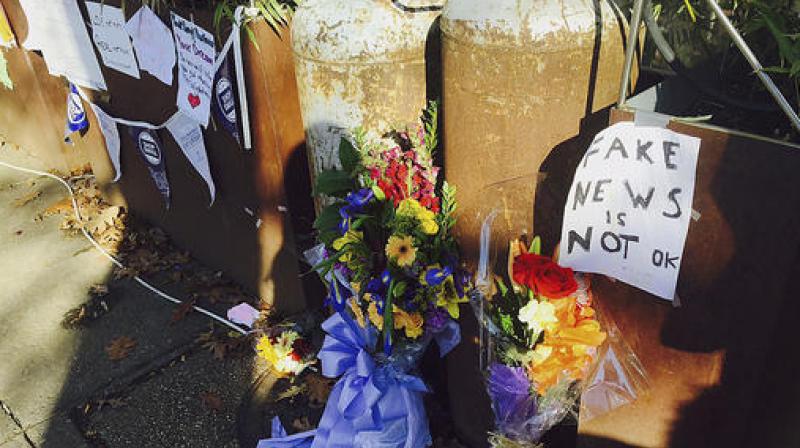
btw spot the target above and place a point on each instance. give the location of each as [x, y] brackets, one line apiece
[349, 156]
[449, 207]
[333, 183]
[275, 12]
[430, 120]
[770, 28]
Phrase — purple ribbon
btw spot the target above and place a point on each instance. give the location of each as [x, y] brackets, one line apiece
[371, 405]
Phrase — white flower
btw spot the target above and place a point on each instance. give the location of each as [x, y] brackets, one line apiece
[538, 315]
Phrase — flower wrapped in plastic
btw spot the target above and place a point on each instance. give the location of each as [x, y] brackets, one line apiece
[394, 283]
[543, 345]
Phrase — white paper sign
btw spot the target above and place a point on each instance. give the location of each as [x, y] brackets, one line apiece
[58, 30]
[196, 54]
[111, 39]
[629, 207]
[154, 45]
[111, 135]
[189, 136]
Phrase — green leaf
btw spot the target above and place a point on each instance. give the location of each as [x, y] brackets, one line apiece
[507, 324]
[328, 218]
[536, 246]
[502, 286]
[327, 237]
[349, 156]
[399, 289]
[388, 313]
[333, 183]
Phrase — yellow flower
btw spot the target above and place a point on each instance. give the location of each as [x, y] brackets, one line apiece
[266, 351]
[351, 236]
[357, 312]
[411, 208]
[401, 250]
[429, 227]
[538, 315]
[411, 323]
[449, 300]
[374, 317]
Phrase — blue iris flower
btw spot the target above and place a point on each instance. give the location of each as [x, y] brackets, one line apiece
[356, 201]
[436, 276]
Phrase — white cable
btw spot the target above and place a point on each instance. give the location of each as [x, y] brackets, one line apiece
[113, 259]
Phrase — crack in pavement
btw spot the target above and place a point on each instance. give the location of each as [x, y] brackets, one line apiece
[10, 414]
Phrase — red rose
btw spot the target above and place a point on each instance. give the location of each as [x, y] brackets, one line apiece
[556, 282]
[544, 276]
[526, 268]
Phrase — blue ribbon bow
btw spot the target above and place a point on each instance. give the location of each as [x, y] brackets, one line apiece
[372, 405]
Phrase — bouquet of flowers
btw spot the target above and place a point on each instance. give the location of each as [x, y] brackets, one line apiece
[544, 338]
[285, 351]
[394, 284]
[390, 259]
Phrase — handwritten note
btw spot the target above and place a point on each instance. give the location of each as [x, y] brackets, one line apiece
[628, 211]
[110, 38]
[153, 42]
[189, 136]
[196, 55]
[59, 32]
[57, 29]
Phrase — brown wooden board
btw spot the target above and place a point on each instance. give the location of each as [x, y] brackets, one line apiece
[224, 236]
[714, 360]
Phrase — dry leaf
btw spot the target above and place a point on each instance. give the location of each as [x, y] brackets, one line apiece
[120, 348]
[291, 392]
[302, 424]
[22, 200]
[63, 206]
[319, 388]
[182, 310]
[212, 401]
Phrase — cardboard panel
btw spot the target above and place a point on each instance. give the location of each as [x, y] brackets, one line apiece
[706, 359]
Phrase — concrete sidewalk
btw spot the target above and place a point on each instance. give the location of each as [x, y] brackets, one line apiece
[58, 385]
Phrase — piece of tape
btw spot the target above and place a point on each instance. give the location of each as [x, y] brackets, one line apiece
[650, 119]
[695, 215]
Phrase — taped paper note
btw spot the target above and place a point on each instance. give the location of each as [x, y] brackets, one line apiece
[629, 208]
[153, 42]
[196, 54]
[57, 29]
[111, 39]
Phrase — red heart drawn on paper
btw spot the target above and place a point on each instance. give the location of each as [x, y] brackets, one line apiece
[194, 100]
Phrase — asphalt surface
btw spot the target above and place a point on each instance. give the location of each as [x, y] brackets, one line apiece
[58, 386]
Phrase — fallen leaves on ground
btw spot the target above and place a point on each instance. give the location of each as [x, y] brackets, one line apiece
[105, 222]
[84, 314]
[212, 401]
[182, 310]
[119, 348]
[223, 344]
[26, 198]
[302, 424]
[292, 392]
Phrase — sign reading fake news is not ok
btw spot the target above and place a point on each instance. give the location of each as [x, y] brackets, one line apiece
[629, 207]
